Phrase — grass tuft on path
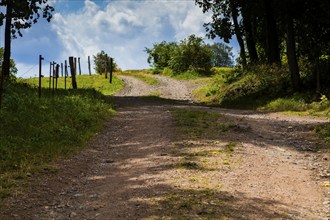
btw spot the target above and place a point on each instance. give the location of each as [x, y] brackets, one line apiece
[198, 124]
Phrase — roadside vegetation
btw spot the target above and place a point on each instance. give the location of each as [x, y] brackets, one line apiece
[143, 75]
[97, 82]
[35, 132]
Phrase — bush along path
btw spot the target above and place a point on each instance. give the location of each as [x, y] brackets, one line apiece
[161, 159]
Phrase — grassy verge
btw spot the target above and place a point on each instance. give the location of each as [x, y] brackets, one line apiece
[35, 132]
[188, 75]
[297, 105]
[97, 82]
[143, 75]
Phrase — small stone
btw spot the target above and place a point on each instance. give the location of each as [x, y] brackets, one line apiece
[73, 214]
[78, 195]
[93, 196]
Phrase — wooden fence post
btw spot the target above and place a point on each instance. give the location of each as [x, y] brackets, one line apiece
[89, 65]
[73, 72]
[57, 70]
[50, 75]
[65, 73]
[75, 66]
[54, 75]
[106, 68]
[111, 62]
[79, 65]
[40, 74]
[61, 69]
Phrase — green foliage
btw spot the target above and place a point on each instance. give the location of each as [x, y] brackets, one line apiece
[188, 75]
[286, 104]
[299, 103]
[25, 13]
[102, 63]
[270, 30]
[141, 75]
[324, 131]
[261, 87]
[221, 55]
[245, 88]
[13, 69]
[161, 53]
[191, 55]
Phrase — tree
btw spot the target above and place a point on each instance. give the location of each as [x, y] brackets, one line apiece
[13, 69]
[248, 24]
[191, 54]
[273, 51]
[101, 60]
[221, 55]
[20, 14]
[159, 56]
[225, 22]
[269, 28]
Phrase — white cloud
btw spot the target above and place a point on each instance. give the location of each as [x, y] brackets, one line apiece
[124, 28]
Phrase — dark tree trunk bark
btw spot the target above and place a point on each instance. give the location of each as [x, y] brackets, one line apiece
[273, 51]
[250, 42]
[317, 75]
[6, 55]
[292, 58]
[238, 34]
[7, 51]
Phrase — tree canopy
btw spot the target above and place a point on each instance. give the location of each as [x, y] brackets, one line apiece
[102, 62]
[191, 54]
[269, 30]
[20, 14]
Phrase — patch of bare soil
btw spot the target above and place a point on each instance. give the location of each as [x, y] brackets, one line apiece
[267, 166]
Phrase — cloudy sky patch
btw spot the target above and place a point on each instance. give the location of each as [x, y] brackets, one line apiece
[121, 28]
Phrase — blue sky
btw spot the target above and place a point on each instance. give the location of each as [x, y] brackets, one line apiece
[122, 28]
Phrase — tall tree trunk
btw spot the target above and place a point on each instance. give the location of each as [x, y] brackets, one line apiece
[7, 52]
[238, 34]
[291, 52]
[250, 42]
[273, 50]
[6, 55]
[317, 75]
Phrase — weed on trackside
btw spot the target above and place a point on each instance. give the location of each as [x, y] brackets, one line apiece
[143, 75]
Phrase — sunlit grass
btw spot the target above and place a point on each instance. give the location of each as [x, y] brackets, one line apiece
[143, 75]
[35, 132]
[97, 82]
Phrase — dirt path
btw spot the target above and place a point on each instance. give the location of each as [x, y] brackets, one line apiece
[132, 169]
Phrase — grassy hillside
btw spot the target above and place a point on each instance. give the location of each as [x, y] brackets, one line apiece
[35, 132]
[97, 82]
